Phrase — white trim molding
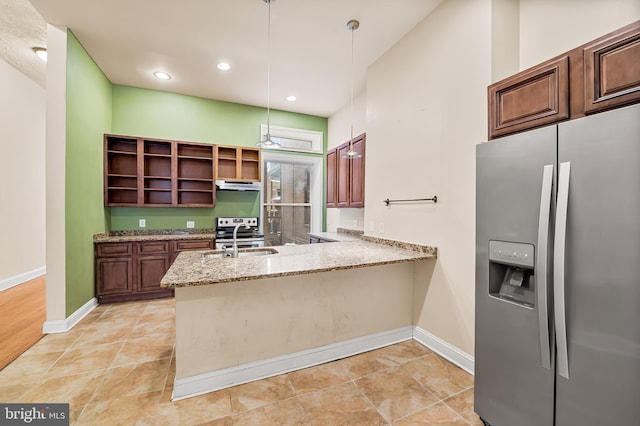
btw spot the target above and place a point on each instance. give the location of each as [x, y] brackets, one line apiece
[290, 136]
[15, 280]
[444, 349]
[62, 326]
[316, 164]
[232, 376]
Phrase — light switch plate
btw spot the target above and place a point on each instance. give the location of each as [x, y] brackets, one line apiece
[191, 224]
[142, 223]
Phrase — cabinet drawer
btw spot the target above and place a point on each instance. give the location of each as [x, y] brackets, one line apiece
[153, 247]
[184, 245]
[532, 98]
[114, 249]
[612, 70]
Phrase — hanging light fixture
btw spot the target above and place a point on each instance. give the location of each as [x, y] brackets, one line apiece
[352, 25]
[268, 142]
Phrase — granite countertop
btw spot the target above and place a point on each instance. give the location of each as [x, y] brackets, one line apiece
[154, 235]
[341, 235]
[191, 269]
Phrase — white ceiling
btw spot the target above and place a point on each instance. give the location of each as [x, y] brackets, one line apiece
[310, 45]
[22, 29]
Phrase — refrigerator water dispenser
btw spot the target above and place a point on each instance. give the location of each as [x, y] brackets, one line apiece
[511, 272]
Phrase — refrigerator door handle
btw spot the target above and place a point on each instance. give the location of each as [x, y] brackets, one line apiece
[542, 265]
[558, 269]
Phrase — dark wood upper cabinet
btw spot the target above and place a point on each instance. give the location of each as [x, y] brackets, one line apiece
[597, 76]
[238, 164]
[345, 177]
[612, 70]
[332, 158]
[158, 173]
[357, 174]
[532, 98]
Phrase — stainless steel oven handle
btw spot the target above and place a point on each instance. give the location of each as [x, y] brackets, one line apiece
[558, 269]
[542, 270]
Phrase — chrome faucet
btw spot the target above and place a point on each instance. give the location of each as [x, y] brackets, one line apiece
[234, 249]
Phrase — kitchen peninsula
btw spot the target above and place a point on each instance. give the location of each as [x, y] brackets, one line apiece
[241, 319]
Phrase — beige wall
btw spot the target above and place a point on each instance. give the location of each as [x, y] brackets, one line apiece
[339, 131]
[551, 27]
[426, 110]
[22, 184]
[55, 171]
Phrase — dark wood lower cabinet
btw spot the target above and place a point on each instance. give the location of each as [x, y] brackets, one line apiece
[150, 270]
[133, 270]
[115, 276]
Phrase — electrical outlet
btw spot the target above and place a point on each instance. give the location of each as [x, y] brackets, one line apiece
[142, 223]
[191, 224]
[381, 228]
[372, 226]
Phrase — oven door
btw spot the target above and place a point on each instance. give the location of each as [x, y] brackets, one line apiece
[242, 243]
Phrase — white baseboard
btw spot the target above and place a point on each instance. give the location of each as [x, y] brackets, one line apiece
[15, 280]
[62, 326]
[232, 376]
[444, 349]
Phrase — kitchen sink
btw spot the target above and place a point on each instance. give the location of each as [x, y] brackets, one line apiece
[247, 252]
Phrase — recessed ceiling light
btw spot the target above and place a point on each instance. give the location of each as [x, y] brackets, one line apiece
[224, 66]
[41, 52]
[291, 98]
[162, 75]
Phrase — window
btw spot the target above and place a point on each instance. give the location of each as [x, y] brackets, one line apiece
[295, 139]
[291, 198]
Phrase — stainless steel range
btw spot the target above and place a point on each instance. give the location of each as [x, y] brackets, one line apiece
[248, 233]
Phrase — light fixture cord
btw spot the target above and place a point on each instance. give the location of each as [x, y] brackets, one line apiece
[351, 112]
[269, 72]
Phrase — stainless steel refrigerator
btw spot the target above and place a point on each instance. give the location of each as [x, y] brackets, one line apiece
[558, 274]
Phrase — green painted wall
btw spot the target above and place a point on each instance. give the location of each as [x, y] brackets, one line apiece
[154, 114]
[228, 203]
[89, 103]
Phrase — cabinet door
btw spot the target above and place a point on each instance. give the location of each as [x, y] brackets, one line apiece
[612, 70]
[343, 177]
[150, 270]
[332, 172]
[114, 275]
[357, 174]
[535, 97]
[186, 245]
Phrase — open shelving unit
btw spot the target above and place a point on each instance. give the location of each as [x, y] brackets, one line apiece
[157, 173]
[121, 171]
[238, 163]
[196, 183]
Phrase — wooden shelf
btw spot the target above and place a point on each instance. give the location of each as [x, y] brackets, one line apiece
[204, 152]
[152, 172]
[238, 163]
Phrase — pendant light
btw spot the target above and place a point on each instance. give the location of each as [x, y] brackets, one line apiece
[268, 142]
[351, 154]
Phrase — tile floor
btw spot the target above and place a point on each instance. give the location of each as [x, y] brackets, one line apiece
[117, 367]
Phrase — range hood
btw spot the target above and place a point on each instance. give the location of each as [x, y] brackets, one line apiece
[227, 185]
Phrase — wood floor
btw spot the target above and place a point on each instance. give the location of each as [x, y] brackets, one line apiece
[22, 313]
